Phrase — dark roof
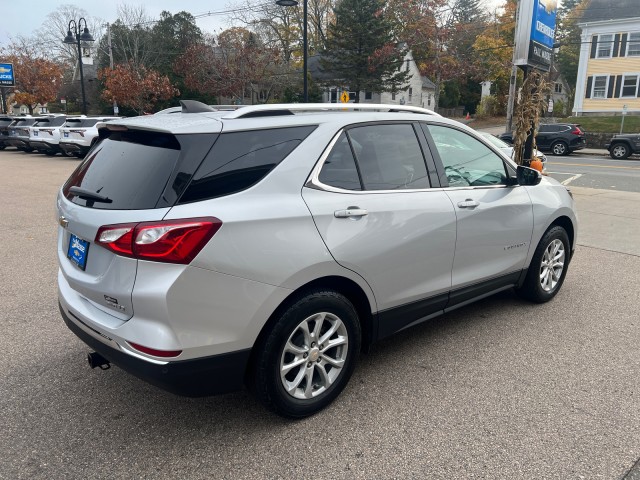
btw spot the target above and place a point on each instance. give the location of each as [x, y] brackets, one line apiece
[316, 71]
[426, 83]
[599, 10]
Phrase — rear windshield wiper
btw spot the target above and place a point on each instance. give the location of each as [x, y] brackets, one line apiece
[89, 195]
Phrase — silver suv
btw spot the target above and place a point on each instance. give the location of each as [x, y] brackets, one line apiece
[268, 246]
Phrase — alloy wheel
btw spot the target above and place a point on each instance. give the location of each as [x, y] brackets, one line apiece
[552, 265]
[314, 355]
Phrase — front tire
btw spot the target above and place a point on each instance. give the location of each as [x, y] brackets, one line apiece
[560, 148]
[548, 266]
[308, 356]
[619, 151]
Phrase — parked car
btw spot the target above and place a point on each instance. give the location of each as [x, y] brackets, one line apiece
[623, 145]
[557, 138]
[18, 133]
[508, 149]
[5, 121]
[44, 135]
[202, 251]
[78, 135]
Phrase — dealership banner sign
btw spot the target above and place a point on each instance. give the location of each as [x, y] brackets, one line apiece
[536, 30]
[6, 75]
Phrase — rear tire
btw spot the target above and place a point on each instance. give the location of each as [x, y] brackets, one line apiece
[548, 266]
[560, 148]
[619, 151]
[308, 356]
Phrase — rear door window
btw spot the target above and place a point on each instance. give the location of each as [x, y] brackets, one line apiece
[389, 157]
[339, 169]
[239, 160]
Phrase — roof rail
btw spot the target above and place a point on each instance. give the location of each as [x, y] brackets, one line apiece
[290, 108]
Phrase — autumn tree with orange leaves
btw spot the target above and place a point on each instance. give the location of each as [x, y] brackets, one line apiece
[494, 50]
[37, 79]
[138, 88]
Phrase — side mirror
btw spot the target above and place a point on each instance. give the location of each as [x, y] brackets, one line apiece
[527, 176]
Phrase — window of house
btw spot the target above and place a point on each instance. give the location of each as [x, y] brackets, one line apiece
[629, 86]
[633, 44]
[410, 93]
[557, 88]
[605, 46]
[334, 95]
[368, 95]
[407, 67]
[600, 87]
[393, 96]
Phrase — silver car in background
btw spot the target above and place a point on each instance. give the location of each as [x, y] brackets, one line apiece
[267, 246]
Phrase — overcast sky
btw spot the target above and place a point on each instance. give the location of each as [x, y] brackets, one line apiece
[25, 17]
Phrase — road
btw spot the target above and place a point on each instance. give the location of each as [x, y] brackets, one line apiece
[596, 171]
[500, 389]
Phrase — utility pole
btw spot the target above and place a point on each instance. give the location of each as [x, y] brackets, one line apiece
[115, 104]
[513, 78]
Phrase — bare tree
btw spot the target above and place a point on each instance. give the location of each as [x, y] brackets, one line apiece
[131, 37]
[48, 39]
[282, 26]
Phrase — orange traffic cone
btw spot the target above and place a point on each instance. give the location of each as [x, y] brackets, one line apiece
[468, 117]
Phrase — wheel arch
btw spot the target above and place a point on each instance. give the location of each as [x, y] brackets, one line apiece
[566, 223]
[616, 141]
[345, 286]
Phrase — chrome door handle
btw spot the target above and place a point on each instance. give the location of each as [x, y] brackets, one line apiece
[468, 203]
[350, 212]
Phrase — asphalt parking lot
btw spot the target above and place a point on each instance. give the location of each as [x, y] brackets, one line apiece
[500, 389]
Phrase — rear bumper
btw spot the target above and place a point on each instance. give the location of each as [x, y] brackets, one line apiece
[68, 147]
[42, 145]
[217, 374]
[578, 144]
[17, 142]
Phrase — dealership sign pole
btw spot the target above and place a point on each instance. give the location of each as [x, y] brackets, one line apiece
[534, 42]
[7, 79]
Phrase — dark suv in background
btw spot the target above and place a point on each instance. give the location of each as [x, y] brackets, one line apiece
[623, 145]
[557, 138]
[5, 121]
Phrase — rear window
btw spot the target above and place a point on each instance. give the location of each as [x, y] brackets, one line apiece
[82, 122]
[5, 121]
[25, 122]
[129, 168]
[239, 160]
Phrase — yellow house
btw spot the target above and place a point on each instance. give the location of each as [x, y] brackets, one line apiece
[608, 79]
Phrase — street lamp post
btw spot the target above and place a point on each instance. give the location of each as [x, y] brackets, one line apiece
[76, 38]
[293, 3]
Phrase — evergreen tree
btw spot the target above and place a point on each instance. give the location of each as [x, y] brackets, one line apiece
[361, 52]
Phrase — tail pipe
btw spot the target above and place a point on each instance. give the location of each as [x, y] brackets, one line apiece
[97, 360]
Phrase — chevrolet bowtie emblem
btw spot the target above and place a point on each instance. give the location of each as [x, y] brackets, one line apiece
[63, 221]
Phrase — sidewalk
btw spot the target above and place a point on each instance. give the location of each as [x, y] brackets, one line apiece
[607, 219]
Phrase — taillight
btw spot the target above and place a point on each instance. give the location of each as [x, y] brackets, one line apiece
[170, 241]
[576, 131]
[154, 352]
